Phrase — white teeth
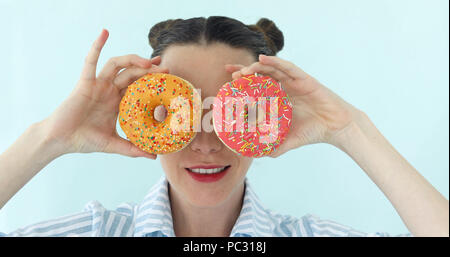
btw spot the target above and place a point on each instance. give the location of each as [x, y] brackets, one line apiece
[208, 171]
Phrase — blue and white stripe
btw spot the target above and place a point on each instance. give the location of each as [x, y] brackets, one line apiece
[153, 218]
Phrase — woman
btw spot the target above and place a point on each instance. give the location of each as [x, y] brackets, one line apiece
[208, 53]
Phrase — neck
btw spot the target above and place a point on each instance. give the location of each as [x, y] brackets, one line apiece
[191, 220]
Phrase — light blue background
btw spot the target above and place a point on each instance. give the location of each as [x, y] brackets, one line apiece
[388, 58]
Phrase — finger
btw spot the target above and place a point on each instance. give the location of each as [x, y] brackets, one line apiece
[156, 60]
[128, 76]
[265, 70]
[122, 146]
[90, 63]
[287, 67]
[233, 67]
[115, 64]
[236, 75]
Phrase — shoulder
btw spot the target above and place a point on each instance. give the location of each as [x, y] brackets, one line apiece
[308, 225]
[117, 222]
[313, 226]
[94, 220]
[265, 222]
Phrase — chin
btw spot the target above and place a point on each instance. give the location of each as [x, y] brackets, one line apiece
[206, 190]
[207, 198]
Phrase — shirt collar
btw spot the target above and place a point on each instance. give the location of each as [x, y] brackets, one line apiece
[154, 216]
[254, 219]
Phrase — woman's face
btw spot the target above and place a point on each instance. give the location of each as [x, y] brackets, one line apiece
[204, 67]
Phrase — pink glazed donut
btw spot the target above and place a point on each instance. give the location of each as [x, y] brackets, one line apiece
[252, 115]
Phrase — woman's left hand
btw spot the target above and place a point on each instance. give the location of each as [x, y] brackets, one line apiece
[319, 115]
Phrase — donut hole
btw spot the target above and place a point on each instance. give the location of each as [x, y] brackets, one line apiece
[160, 113]
[255, 115]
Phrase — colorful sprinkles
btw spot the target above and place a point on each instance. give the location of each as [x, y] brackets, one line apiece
[233, 125]
[136, 113]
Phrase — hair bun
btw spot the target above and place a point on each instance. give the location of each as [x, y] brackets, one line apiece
[272, 34]
[158, 29]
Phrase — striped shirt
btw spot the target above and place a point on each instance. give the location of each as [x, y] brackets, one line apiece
[153, 218]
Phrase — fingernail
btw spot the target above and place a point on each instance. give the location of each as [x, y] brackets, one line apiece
[104, 31]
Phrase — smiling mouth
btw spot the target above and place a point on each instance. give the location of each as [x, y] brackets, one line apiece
[207, 171]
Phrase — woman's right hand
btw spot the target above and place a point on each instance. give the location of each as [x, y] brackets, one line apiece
[86, 121]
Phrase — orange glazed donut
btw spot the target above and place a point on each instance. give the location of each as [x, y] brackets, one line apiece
[136, 113]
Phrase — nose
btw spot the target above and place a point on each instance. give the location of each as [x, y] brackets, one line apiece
[206, 143]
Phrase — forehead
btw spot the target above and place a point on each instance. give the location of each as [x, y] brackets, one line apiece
[204, 65]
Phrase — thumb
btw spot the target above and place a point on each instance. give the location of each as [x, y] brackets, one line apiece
[156, 60]
[122, 146]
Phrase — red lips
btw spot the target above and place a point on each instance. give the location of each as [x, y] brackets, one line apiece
[207, 178]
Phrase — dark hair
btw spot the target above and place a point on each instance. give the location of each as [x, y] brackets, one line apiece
[260, 38]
